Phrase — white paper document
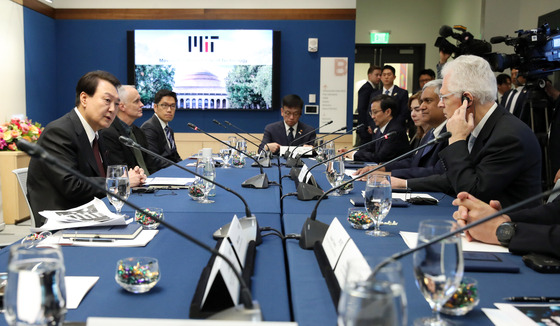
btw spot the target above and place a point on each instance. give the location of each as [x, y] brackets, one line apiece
[405, 196]
[94, 213]
[111, 321]
[410, 238]
[516, 314]
[165, 181]
[76, 289]
[141, 240]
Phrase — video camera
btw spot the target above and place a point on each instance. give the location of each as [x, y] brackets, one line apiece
[466, 43]
[537, 52]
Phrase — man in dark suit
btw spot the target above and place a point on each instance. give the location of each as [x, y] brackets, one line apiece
[401, 113]
[529, 230]
[130, 109]
[514, 100]
[491, 153]
[73, 141]
[383, 150]
[290, 131]
[160, 136]
[364, 98]
[426, 161]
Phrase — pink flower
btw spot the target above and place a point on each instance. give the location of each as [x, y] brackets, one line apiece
[3, 143]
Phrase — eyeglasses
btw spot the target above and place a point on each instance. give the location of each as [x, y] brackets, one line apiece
[444, 96]
[292, 114]
[166, 106]
[375, 112]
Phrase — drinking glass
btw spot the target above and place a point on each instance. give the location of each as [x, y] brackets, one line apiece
[319, 149]
[329, 151]
[238, 158]
[438, 268]
[225, 154]
[36, 292]
[117, 182]
[366, 302]
[360, 270]
[207, 170]
[335, 174]
[378, 199]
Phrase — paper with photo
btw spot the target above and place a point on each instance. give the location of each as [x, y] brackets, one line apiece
[94, 213]
[167, 181]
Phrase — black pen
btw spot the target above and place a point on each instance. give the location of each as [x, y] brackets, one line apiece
[93, 240]
[533, 299]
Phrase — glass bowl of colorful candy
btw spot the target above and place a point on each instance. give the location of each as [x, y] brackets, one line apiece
[347, 188]
[196, 191]
[137, 274]
[238, 160]
[464, 299]
[359, 218]
[146, 220]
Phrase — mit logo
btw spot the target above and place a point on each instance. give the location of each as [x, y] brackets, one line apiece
[202, 43]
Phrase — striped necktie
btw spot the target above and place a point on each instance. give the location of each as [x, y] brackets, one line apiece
[169, 137]
[97, 156]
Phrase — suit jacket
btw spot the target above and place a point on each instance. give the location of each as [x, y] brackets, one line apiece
[504, 164]
[118, 153]
[402, 114]
[364, 110]
[276, 133]
[554, 138]
[519, 109]
[51, 188]
[157, 142]
[423, 163]
[538, 229]
[385, 149]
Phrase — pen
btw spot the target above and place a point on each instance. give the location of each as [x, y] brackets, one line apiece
[93, 240]
[533, 299]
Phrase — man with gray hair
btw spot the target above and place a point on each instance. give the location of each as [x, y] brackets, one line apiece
[491, 154]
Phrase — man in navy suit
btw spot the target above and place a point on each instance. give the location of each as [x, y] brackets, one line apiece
[290, 131]
[364, 98]
[425, 161]
[401, 113]
[491, 154]
[385, 149]
[73, 141]
[160, 136]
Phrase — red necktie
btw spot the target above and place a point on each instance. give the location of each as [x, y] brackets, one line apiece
[97, 155]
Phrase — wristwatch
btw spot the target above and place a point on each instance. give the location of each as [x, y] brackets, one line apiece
[505, 232]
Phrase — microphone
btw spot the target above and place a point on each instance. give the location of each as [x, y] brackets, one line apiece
[268, 153]
[294, 172]
[445, 31]
[247, 223]
[313, 230]
[38, 152]
[292, 162]
[306, 191]
[266, 160]
[243, 131]
[260, 181]
[287, 153]
[418, 247]
[497, 39]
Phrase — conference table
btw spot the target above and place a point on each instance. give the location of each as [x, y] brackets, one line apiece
[287, 280]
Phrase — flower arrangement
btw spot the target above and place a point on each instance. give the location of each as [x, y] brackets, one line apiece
[17, 129]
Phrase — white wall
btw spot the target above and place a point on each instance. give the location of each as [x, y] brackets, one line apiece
[207, 4]
[12, 60]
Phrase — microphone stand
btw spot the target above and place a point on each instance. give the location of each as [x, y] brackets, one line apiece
[249, 309]
[266, 159]
[247, 223]
[294, 172]
[259, 181]
[313, 230]
[290, 161]
[306, 191]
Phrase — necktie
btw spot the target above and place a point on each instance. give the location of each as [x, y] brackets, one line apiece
[138, 156]
[510, 98]
[290, 135]
[169, 137]
[387, 92]
[470, 144]
[429, 137]
[97, 155]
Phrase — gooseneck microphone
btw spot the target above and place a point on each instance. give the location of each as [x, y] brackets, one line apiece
[38, 152]
[266, 163]
[419, 246]
[243, 131]
[306, 191]
[259, 181]
[268, 153]
[295, 162]
[313, 230]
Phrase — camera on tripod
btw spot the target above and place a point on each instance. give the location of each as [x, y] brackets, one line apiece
[537, 52]
[466, 43]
